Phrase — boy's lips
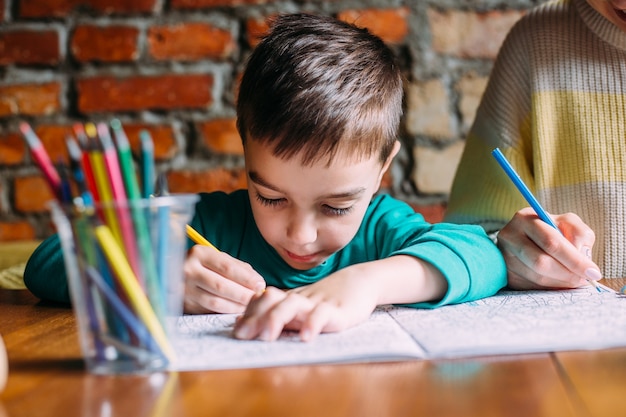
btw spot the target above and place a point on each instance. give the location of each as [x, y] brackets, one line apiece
[302, 258]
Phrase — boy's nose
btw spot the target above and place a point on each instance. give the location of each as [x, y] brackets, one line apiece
[302, 229]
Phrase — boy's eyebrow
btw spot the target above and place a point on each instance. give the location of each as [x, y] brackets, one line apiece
[256, 178]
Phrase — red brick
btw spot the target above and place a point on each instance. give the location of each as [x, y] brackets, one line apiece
[61, 8]
[29, 47]
[32, 194]
[29, 99]
[1, 10]
[53, 140]
[389, 24]
[12, 149]
[200, 4]
[105, 44]
[256, 29]
[221, 136]
[219, 179]
[165, 146]
[12, 231]
[190, 41]
[107, 93]
[433, 213]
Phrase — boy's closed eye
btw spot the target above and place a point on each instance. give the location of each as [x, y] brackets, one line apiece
[326, 209]
[270, 202]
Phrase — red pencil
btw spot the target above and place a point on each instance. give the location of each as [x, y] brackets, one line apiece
[90, 180]
[42, 159]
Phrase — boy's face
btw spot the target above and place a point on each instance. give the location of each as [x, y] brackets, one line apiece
[307, 213]
[613, 10]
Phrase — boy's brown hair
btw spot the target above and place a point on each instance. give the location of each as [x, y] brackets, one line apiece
[318, 87]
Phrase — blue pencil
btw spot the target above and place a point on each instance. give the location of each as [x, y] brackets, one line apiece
[530, 198]
[148, 175]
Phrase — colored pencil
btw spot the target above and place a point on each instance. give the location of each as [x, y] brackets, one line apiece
[124, 273]
[118, 192]
[123, 312]
[139, 213]
[86, 148]
[78, 173]
[103, 184]
[147, 164]
[42, 159]
[198, 238]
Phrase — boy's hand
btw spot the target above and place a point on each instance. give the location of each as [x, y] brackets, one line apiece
[215, 282]
[539, 257]
[330, 305]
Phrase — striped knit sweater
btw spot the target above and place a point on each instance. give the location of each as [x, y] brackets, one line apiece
[556, 106]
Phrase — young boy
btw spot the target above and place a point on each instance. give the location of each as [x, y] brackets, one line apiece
[307, 246]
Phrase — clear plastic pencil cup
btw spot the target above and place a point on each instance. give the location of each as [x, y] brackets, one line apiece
[124, 265]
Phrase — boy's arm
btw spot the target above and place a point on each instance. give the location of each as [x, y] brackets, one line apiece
[341, 300]
[44, 274]
[469, 261]
[443, 264]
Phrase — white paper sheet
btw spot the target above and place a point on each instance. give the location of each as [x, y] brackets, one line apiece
[507, 323]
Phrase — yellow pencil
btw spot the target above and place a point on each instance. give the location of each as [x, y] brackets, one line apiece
[123, 271]
[198, 238]
[96, 158]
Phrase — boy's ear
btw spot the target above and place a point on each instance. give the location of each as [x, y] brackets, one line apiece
[392, 154]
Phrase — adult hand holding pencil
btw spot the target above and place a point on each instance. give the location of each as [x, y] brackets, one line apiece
[215, 281]
[554, 252]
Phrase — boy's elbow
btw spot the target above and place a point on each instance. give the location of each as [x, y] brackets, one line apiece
[44, 275]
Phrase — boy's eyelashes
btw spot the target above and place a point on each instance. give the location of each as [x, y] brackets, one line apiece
[270, 202]
[329, 210]
[334, 211]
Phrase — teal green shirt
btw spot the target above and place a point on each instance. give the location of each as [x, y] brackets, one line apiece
[464, 254]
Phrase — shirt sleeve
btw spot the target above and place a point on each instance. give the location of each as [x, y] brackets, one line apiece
[44, 274]
[470, 262]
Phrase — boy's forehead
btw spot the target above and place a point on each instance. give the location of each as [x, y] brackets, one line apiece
[343, 154]
[262, 160]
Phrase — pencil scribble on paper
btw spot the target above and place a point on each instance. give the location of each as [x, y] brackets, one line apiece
[520, 322]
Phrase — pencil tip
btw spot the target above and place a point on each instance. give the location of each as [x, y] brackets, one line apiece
[25, 127]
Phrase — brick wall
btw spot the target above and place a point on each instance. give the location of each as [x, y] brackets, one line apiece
[172, 67]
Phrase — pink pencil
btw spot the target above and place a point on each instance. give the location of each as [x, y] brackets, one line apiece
[42, 159]
[119, 198]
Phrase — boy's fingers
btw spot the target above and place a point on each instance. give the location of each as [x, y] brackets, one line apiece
[250, 324]
[203, 303]
[232, 268]
[316, 322]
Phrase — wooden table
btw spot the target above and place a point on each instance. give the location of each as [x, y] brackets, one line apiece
[47, 378]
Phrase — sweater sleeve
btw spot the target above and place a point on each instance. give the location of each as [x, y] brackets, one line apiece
[481, 192]
[45, 275]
